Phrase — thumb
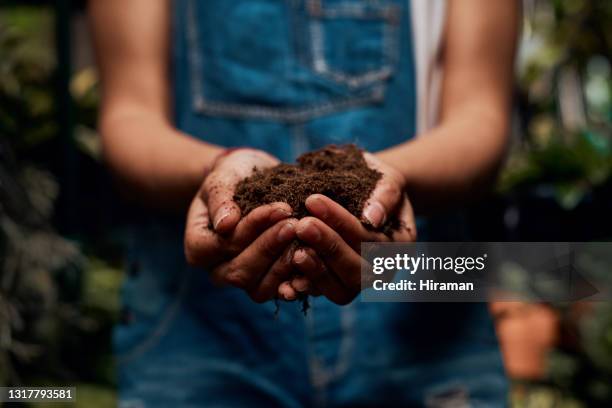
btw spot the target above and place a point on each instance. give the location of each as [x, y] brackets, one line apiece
[382, 202]
[387, 194]
[218, 193]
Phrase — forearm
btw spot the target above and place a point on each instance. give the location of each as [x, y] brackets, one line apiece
[459, 158]
[453, 162]
[157, 163]
[163, 166]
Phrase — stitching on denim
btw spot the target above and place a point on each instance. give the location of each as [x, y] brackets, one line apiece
[299, 141]
[364, 11]
[321, 376]
[296, 33]
[362, 79]
[347, 323]
[289, 115]
[162, 326]
[317, 372]
[389, 13]
[453, 395]
[195, 57]
[319, 64]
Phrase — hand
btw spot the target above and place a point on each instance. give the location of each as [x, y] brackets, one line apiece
[252, 253]
[330, 262]
[219, 186]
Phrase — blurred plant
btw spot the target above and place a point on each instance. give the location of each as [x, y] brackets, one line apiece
[569, 169]
[527, 395]
[584, 369]
[57, 305]
[30, 253]
[26, 81]
[565, 100]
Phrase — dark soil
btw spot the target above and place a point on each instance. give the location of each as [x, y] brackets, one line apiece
[338, 172]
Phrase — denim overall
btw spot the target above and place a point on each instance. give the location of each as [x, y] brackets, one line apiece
[289, 76]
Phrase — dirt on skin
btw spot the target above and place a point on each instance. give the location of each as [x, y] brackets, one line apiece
[338, 172]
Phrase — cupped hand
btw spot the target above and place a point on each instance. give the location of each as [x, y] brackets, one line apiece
[254, 252]
[330, 261]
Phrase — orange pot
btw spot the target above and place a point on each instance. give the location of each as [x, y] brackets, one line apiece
[527, 333]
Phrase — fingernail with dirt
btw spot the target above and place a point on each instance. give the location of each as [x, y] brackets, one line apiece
[286, 291]
[374, 213]
[300, 256]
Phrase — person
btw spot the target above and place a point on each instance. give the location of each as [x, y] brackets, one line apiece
[197, 94]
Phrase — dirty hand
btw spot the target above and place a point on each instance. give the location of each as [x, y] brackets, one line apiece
[252, 253]
[330, 261]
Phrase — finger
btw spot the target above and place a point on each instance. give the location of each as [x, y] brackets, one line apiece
[218, 193]
[202, 246]
[281, 271]
[386, 195]
[331, 249]
[301, 284]
[247, 269]
[286, 292]
[257, 221]
[342, 221]
[298, 285]
[382, 202]
[407, 231]
[325, 282]
[307, 259]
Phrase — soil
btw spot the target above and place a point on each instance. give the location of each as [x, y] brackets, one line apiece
[338, 172]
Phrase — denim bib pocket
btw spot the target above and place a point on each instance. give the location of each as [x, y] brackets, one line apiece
[291, 60]
[353, 42]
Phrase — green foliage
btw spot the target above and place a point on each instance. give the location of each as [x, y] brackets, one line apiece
[572, 168]
[26, 82]
[527, 395]
[566, 88]
[585, 371]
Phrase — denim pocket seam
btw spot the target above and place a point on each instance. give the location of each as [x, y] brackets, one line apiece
[451, 395]
[385, 13]
[289, 115]
[160, 328]
[202, 105]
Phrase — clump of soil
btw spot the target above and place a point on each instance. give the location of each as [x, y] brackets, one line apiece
[338, 172]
